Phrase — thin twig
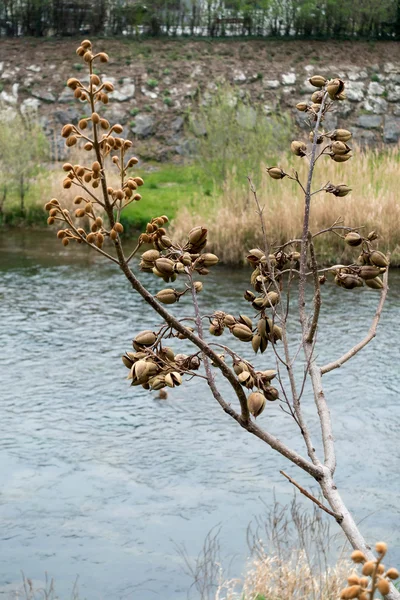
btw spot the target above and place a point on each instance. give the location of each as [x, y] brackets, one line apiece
[370, 336]
[339, 518]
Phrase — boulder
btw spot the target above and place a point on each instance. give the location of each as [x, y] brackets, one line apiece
[369, 121]
[124, 91]
[288, 78]
[355, 91]
[391, 130]
[144, 126]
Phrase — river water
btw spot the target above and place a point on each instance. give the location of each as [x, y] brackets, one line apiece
[102, 480]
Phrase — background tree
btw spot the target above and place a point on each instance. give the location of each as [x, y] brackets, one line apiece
[23, 149]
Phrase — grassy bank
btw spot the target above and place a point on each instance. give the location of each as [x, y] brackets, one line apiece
[189, 196]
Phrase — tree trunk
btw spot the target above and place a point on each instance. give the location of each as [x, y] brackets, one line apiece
[348, 524]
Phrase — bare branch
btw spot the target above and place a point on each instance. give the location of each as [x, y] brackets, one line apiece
[370, 336]
[339, 518]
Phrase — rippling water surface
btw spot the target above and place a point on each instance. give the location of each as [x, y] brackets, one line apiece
[103, 480]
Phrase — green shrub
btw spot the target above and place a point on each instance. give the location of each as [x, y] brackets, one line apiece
[234, 136]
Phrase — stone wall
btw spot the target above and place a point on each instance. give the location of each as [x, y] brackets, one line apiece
[153, 96]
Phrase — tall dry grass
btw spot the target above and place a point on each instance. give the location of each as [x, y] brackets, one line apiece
[374, 203]
[273, 578]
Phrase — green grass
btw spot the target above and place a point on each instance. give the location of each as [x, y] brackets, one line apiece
[165, 191]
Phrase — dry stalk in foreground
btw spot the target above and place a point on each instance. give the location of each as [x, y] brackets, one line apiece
[276, 272]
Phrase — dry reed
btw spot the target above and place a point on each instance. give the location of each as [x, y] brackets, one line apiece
[374, 203]
[272, 578]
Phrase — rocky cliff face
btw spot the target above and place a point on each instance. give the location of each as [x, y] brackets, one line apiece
[157, 82]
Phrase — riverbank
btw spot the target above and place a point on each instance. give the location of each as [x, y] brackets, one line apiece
[189, 196]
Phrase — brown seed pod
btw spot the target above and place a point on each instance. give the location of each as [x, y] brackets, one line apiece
[71, 141]
[242, 332]
[95, 79]
[66, 130]
[271, 393]
[298, 148]
[103, 57]
[167, 296]
[353, 238]
[378, 259]
[317, 81]
[196, 235]
[88, 56]
[335, 87]
[369, 272]
[80, 51]
[145, 338]
[340, 148]
[302, 106]
[368, 568]
[276, 172]
[383, 586]
[165, 265]
[339, 158]
[392, 573]
[208, 259]
[342, 135]
[317, 97]
[256, 403]
[353, 579]
[88, 146]
[350, 592]
[113, 234]
[358, 557]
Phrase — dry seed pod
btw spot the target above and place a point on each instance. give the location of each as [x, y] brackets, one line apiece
[256, 403]
[353, 579]
[167, 296]
[118, 227]
[353, 238]
[244, 376]
[103, 57]
[368, 568]
[165, 266]
[150, 255]
[381, 548]
[271, 393]
[66, 130]
[197, 235]
[276, 173]
[358, 557]
[383, 586]
[302, 106]
[317, 97]
[340, 148]
[342, 135]
[339, 158]
[392, 573]
[256, 342]
[335, 87]
[229, 320]
[369, 272]
[317, 81]
[272, 298]
[71, 141]
[298, 148]
[379, 259]
[350, 592]
[246, 321]
[242, 332]
[145, 338]
[208, 259]
[341, 190]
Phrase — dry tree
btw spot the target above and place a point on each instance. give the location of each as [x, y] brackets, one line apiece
[276, 273]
